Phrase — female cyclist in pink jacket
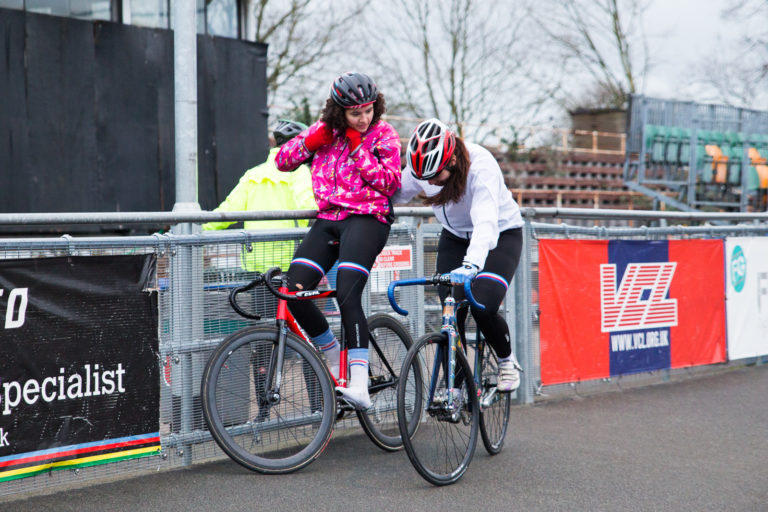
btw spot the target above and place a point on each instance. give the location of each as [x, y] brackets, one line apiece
[355, 166]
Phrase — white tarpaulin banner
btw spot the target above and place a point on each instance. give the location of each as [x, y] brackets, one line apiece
[747, 296]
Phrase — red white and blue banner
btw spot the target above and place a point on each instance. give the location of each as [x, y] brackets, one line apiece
[609, 308]
[746, 271]
[79, 376]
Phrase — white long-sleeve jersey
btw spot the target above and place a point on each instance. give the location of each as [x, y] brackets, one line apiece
[486, 209]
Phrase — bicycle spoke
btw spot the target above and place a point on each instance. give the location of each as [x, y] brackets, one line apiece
[443, 446]
[264, 433]
[388, 347]
[494, 417]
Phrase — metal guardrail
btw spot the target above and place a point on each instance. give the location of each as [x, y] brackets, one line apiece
[184, 345]
[164, 218]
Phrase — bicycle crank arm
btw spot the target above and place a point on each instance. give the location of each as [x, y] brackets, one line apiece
[344, 405]
[488, 399]
[381, 383]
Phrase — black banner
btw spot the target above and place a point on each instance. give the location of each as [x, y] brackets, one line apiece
[79, 377]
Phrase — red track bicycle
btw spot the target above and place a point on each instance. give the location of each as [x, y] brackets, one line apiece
[269, 399]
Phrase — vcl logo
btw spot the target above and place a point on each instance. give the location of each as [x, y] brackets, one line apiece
[639, 301]
[16, 308]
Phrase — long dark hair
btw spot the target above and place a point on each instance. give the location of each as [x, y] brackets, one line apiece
[454, 188]
[333, 114]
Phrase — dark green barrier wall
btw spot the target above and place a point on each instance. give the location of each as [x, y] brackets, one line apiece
[86, 115]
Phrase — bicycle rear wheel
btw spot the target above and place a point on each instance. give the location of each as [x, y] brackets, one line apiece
[494, 406]
[443, 446]
[277, 434]
[388, 346]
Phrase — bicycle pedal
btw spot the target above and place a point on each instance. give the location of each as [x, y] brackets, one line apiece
[348, 404]
[344, 405]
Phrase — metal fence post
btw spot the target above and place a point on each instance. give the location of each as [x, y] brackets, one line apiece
[187, 326]
[511, 315]
[693, 170]
[420, 315]
[523, 338]
[187, 276]
[743, 199]
[643, 145]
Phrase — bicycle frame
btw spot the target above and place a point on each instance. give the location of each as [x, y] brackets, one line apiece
[285, 322]
[449, 327]
[277, 393]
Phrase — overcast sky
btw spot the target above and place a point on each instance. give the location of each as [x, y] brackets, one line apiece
[681, 34]
[684, 33]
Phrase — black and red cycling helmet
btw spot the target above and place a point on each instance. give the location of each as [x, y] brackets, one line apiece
[354, 90]
[429, 149]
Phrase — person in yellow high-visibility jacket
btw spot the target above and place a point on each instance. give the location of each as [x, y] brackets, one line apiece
[264, 188]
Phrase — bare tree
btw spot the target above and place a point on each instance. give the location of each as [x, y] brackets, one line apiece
[738, 75]
[303, 36]
[603, 41]
[459, 60]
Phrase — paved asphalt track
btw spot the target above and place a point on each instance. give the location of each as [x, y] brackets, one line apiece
[696, 444]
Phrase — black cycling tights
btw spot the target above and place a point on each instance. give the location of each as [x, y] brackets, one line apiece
[355, 242]
[489, 287]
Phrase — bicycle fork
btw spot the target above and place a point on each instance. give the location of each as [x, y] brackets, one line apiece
[275, 369]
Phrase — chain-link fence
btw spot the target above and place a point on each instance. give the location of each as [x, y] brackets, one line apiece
[196, 272]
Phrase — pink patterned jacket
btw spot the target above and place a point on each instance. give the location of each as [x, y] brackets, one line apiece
[346, 184]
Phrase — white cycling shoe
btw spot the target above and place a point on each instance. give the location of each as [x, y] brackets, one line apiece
[509, 376]
[357, 397]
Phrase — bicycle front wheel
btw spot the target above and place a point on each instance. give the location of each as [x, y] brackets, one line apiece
[261, 427]
[494, 406]
[443, 446]
[388, 344]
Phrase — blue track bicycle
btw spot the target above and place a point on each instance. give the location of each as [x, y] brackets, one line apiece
[451, 400]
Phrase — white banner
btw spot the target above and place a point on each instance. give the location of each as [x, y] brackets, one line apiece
[393, 257]
[747, 296]
[388, 265]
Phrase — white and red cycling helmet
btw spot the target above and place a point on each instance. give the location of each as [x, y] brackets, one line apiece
[429, 149]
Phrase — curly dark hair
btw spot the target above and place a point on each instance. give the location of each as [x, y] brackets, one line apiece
[333, 114]
[454, 188]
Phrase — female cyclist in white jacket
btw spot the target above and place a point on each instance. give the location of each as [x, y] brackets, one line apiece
[481, 236]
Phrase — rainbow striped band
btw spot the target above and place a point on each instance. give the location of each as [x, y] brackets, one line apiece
[493, 277]
[22, 465]
[353, 266]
